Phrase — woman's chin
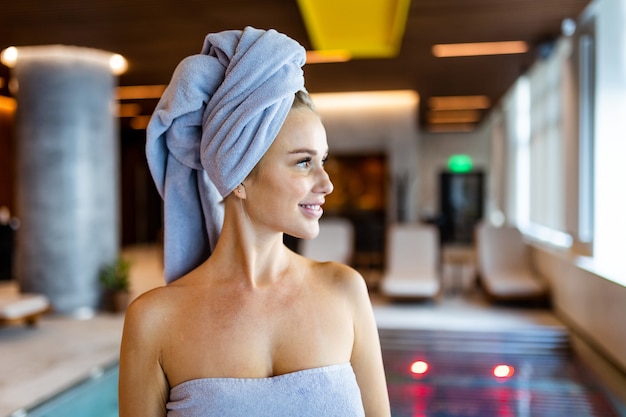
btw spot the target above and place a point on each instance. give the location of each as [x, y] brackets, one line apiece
[309, 234]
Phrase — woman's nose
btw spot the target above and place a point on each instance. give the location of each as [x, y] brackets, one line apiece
[324, 184]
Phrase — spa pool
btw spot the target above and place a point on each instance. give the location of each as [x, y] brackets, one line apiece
[95, 396]
[425, 383]
[431, 384]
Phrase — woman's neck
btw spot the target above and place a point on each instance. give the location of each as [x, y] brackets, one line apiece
[258, 256]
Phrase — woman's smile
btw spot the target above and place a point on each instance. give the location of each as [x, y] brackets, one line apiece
[313, 210]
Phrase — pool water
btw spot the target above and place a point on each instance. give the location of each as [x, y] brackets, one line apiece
[96, 396]
[431, 384]
[426, 383]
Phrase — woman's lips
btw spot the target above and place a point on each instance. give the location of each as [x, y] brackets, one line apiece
[314, 210]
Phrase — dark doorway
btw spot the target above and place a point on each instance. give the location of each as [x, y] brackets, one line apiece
[461, 200]
[141, 204]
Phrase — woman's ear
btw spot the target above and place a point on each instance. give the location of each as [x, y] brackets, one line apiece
[240, 191]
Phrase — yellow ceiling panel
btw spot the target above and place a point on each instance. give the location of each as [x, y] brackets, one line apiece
[364, 28]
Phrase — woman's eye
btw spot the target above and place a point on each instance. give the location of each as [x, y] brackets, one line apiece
[304, 163]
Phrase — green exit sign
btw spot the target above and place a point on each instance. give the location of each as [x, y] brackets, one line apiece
[460, 163]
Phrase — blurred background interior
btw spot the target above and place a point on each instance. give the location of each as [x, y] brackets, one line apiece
[476, 152]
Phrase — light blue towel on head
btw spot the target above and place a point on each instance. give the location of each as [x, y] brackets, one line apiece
[216, 119]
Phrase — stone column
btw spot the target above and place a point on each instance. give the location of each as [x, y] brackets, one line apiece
[67, 173]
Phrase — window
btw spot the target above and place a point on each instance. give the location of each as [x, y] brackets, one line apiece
[541, 192]
[586, 126]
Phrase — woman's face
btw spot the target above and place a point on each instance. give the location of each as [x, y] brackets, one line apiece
[287, 190]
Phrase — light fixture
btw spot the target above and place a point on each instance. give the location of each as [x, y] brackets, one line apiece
[139, 122]
[9, 56]
[323, 57]
[366, 99]
[459, 102]
[453, 116]
[116, 62]
[365, 28]
[568, 27]
[7, 104]
[479, 48]
[419, 368]
[128, 110]
[137, 92]
[503, 371]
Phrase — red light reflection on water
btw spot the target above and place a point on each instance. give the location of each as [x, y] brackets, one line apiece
[422, 400]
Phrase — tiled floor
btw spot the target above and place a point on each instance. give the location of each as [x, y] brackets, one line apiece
[37, 363]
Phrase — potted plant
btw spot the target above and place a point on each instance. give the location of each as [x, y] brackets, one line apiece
[114, 278]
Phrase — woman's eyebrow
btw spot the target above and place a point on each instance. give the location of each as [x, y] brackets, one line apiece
[304, 150]
[311, 152]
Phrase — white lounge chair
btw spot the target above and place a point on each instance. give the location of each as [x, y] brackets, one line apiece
[16, 307]
[335, 242]
[412, 262]
[504, 265]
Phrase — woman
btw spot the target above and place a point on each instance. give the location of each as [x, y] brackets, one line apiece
[255, 329]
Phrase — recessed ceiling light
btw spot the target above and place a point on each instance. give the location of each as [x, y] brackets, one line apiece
[137, 92]
[479, 48]
[7, 104]
[128, 110]
[365, 99]
[322, 57]
[139, 122]
[459, 102]
[453, 116]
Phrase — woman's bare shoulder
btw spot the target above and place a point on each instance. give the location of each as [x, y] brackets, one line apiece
[152, 308]
[341, 277]
[151, 299]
